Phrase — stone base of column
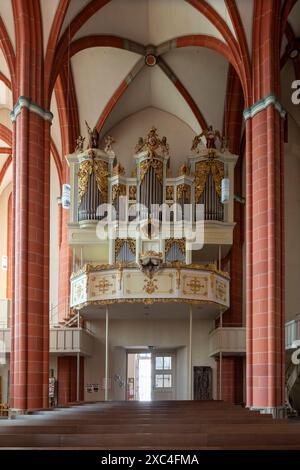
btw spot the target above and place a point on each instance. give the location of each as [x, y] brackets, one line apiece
[278, 412]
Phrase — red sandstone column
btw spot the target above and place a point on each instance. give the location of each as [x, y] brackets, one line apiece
[265, 216]
[31, 262]
[232, 379]
[266, 284]
[67, 377]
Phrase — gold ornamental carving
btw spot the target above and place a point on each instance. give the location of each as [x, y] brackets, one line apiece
[150, 286]
[132, 193]
[196, 286]
[221, 291]
[152, 142]
[170, 242]
[183, 170]
[203, 168]
[91, 268]
[119, 242]
[183, 188]
[103, 286]
[118, 169]
[155, 164]
[169, 193]
[118, 189]
[100, 170]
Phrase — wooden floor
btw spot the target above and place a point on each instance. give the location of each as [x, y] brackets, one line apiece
[156, 425]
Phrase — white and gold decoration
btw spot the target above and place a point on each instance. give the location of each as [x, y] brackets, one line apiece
[178, 283]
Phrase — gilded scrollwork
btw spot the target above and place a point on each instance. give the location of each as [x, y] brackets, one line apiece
[119, 242]
[196, 285]
[203, 168]
[101, 173]
[150, 286]
[132, 193]
[180, 242]
[147, 301]
[169, 193]
[91, 268]
[85, 170]
[118, 189]
[100, 169]
[152, 142]
[155, 164]
[181, 189]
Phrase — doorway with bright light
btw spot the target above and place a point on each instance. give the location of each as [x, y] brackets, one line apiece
[150, 375]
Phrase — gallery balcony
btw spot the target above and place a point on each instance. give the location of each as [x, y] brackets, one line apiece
[93, 286]
[63, 340]
[292, 332]
[227, 340]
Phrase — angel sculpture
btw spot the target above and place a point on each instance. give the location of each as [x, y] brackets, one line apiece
[164, 146]
[93, 137]
[140, 145]
[211, 136]
[196, 142]
[225, 144]
[79, 143]
[109, 140]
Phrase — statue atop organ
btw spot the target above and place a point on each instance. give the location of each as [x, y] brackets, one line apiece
[212, 136]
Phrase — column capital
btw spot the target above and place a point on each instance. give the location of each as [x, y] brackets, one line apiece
[24, 102]
[261, 105]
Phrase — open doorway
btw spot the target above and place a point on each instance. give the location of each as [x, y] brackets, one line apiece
[139, 376]
[150, 376]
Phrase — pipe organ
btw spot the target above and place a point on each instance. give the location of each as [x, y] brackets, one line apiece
[99, 187]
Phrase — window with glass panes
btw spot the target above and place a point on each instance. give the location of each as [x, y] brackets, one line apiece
[163, 376]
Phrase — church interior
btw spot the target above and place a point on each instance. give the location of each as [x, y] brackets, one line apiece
[149, 223]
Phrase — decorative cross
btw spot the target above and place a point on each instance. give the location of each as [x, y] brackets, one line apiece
[103, 286]
[197, 285]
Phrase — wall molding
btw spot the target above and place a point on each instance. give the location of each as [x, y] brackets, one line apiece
[263, 104]
[24, 102]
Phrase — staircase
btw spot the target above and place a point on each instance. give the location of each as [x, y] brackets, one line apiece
[293, 386]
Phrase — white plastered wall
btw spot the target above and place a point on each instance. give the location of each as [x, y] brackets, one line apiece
[179, 135]
[163, 334]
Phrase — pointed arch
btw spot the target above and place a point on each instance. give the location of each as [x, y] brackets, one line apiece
[53, 39]
[8, 52]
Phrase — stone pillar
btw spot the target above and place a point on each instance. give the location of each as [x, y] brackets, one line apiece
[232, 379]
[265, 216]
[30, 342]
[265, 266]
[67, 377]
